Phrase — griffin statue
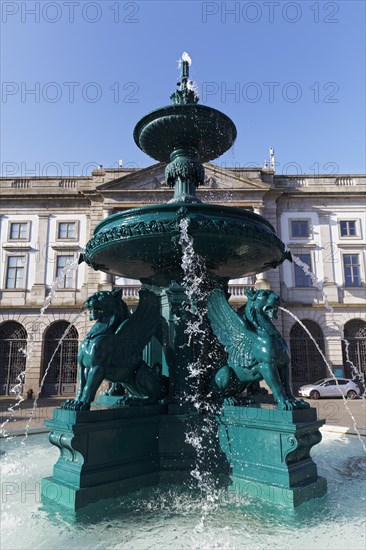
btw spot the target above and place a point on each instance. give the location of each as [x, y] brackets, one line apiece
[112, 349]
[256, 350]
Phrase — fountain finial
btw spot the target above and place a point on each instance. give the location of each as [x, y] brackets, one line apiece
[186, 93]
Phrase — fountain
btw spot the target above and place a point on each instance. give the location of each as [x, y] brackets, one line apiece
[184, 356]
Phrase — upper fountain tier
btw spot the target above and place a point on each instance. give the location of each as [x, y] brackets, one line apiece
[186, 134]
[143, 243]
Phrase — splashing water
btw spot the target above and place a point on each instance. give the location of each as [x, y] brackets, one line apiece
[356, 374]
[193, 268]
[330, 372]
[185, 57]
[193, 86]
[203, 431]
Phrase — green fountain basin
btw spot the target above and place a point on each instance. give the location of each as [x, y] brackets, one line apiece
[143, 243]
[208, 131]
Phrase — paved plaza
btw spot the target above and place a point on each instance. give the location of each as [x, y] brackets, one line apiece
[334, 411]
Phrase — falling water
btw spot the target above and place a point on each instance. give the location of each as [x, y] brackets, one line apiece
[319, 285]
[28, 351]
[193, 269]
[330, 372]
[198, 436]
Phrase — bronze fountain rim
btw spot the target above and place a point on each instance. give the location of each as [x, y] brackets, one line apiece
[186, 210]
[158, 122]
[179, 109]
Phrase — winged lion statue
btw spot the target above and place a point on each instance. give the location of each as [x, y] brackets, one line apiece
[256, 350]
[112, 349]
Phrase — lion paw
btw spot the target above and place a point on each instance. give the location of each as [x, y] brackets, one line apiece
[293, 404]
[75, 405]
[303, 404]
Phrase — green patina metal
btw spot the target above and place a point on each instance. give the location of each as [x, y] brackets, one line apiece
[112, 349]
[268, 450]
[186, 134]
[256, 350]
[142, 243]
[127, 442]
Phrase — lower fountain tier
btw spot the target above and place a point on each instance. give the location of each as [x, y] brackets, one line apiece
[259, 450]
[143, 243]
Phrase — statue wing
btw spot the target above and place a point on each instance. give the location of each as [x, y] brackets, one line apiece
[231, 330]
[138, 329]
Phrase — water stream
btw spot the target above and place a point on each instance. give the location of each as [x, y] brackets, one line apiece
[201, 434]
[35, 402]
[330, 372]
[58, 283]
[356, 374]
[28, 351]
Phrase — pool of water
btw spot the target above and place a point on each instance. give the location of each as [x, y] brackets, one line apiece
[175, 518]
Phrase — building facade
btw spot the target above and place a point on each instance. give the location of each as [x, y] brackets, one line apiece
[46, 222]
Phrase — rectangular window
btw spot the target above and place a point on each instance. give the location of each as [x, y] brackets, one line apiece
[352, 271]
[66, 230]
[301, 278]
[348, 228]
[300, 229]
[61, 271]
[18, 231]
[15, 272]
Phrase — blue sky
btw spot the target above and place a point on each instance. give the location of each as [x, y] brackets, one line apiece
[290, 74]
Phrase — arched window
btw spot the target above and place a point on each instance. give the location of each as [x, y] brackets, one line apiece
[62, 368]
[355, 353]
[307, 365]
[13, 343]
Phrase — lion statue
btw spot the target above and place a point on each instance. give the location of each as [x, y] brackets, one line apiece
[256, 350]
[112, 349]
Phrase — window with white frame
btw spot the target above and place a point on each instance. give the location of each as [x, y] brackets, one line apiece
[352, 269]
[302, 278]
[348, 228]
[66, 277]
[67, 231]
[15, 272]
[18, 231]
[299, 229]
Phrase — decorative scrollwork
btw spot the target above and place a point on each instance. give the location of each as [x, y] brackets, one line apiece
[171, 225]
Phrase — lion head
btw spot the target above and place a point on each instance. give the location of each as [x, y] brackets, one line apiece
[107, 308]
[261, 304]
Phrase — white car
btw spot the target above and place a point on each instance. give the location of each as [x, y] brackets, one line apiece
[330, 387]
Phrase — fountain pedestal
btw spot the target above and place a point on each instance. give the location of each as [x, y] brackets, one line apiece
[268, 450]
[259, 450]
[104, 453]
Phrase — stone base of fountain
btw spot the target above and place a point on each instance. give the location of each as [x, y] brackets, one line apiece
[268, 450]
[260, 450]
[104, 454]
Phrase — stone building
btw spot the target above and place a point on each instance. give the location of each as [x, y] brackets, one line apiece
[46, 222]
